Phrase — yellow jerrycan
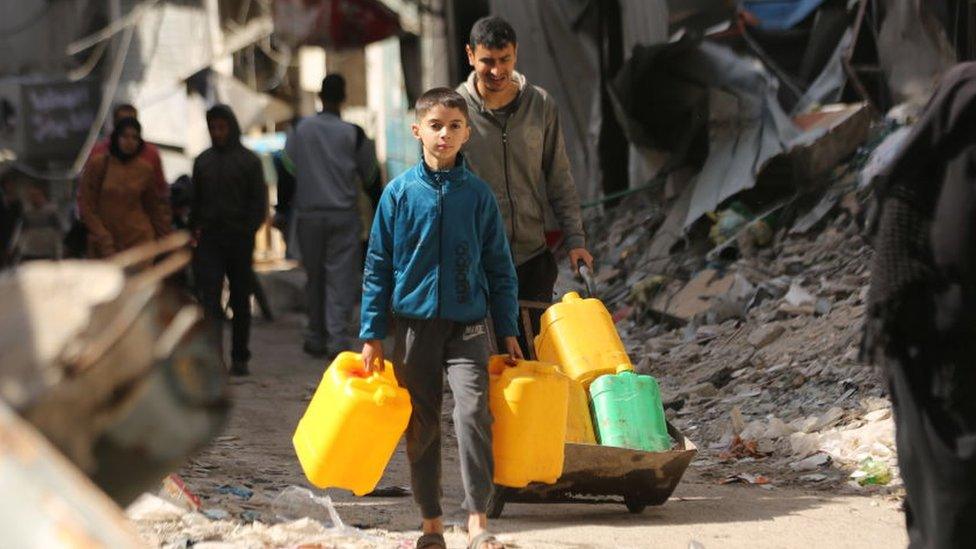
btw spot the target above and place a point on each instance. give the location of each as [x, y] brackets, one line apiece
[528, 402]
[352, 425]
[579, 422]
[578, 334]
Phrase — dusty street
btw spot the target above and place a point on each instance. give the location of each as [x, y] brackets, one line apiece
[255, 452]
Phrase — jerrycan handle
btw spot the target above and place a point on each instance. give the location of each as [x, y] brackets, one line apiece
[588, 280]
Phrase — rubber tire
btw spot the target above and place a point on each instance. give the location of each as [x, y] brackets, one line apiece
[496, 502]
[634, 505]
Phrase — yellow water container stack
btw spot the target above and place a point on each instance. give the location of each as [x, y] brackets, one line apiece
[352, 425]
[578, 334]
[579, 423]
[528, 402]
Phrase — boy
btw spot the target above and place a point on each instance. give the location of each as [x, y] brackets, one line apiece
[439, 258]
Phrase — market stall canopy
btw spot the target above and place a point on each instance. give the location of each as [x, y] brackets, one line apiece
[334, 23]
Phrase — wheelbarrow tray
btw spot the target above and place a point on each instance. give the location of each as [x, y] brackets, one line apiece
[592, 472]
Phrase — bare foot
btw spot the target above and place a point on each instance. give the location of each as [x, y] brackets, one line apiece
[477, 525]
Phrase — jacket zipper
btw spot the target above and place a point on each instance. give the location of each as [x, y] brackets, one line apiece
[440, 242]
[508, 183]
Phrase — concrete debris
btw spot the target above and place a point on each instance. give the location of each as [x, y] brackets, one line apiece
[765, 335]
[777, 381]
[798, 297]
[154, 509]
[708, 296]
[163, 524]
[812, 463]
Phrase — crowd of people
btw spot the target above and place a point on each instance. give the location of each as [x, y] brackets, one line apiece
[455, 241]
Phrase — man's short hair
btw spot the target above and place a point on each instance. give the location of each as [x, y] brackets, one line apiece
[492, 32]
[445, 97]
[123, 107]
[333, 89]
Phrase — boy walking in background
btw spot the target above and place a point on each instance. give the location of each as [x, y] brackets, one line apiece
[439, 259]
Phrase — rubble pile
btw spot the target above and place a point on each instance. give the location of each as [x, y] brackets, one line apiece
[756, 350]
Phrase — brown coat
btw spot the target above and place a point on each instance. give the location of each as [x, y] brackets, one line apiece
[120, 205]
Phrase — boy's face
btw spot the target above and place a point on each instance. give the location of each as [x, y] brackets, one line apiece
[442, 131]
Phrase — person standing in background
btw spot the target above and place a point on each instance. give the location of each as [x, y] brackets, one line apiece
[331, 159]
[229, 205]
[118, 199]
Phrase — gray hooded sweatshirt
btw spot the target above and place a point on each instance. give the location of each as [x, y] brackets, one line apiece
[523, 157]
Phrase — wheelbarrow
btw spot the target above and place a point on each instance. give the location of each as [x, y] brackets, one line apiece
[601, 474]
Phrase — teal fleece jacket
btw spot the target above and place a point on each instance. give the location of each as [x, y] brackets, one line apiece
[438, 249]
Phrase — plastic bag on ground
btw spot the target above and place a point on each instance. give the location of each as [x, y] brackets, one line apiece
[295, 503]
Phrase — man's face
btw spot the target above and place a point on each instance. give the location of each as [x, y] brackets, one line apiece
[219, 131]
[442, 131]
[493, 67]
[124, 113]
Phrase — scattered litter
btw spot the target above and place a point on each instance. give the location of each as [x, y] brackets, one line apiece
[250, 516]
[745, 478]
[811, 463]
[814, 477]
[295, 502]
[216, 514]
[742, 449]
[872, 472]
[240, 491]
[175, 491]
[152, 508]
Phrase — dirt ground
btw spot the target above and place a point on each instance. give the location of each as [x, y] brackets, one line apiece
[255, 452]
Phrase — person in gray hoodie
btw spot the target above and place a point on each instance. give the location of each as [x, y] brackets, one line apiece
[331, 157]
[517, 146]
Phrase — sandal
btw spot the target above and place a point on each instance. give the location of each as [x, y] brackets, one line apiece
[431, 540]
[485, 538]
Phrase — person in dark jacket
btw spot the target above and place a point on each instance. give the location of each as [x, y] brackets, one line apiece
[230, 202]
[921, 314]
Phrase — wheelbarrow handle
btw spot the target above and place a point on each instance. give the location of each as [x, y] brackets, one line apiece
[587, 275]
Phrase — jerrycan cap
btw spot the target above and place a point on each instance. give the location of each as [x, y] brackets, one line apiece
[383, 394]
[571, 297]
[625, 368]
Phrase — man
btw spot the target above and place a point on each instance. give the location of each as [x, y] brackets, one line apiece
[230, 202]
[517, 147]
[921, 314]
[330, 158]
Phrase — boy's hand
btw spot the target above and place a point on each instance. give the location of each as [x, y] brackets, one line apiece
[514, 350]
[373, 356]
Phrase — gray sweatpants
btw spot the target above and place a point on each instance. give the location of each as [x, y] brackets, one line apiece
[422, 351]
[332, 256]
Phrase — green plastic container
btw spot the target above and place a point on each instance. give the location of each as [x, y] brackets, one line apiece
[628, 413]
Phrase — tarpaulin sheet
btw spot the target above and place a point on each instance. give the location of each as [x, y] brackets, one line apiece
[781, 14]
[667, 94]
[334, 23]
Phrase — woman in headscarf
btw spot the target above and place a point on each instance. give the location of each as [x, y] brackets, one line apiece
[119, 202]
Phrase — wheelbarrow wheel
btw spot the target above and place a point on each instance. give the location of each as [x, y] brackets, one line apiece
[634, 505]
[496, 501]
